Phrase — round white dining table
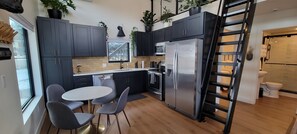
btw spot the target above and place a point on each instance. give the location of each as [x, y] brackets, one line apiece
[87, 94]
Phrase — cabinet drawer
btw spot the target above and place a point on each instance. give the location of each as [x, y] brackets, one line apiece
[83, 81]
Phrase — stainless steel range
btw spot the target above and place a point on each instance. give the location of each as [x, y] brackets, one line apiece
[156, 82]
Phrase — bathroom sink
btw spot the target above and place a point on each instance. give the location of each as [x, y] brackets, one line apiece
[262, 73]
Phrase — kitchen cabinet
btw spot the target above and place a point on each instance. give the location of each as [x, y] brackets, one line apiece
[162, 35]
[143, 44]
[135, 80]
[159, 36]
[88, 41]
[167, 34]
[189, 27]
[57, 71]
[54, 37]
[83, 81]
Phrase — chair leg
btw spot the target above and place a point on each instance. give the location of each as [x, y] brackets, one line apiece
[58, 131]
[93, 109]
[49, 128]
[75, 131]
[126, 118]
[70, 131]
[81, 109]
[98, 120]
[118, 123]
[108, 120]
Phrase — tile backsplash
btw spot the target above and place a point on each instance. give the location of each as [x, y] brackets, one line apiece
[91, 64]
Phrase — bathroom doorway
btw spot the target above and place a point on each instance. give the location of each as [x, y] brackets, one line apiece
[279, 58]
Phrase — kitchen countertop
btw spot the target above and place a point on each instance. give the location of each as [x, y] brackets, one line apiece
[113, 71]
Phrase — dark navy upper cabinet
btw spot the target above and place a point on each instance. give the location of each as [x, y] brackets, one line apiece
[98, 41]
[167, 34]
[54, 37]
[193, 26]
[143, 44]
[88, 41]
[158, 35]
[81, 40]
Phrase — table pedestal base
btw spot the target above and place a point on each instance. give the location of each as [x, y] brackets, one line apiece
[91, 129]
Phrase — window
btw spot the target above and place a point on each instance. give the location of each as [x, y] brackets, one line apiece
[118, 51]
[23, 64]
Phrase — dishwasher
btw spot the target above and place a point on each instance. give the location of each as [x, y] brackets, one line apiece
[99, 77]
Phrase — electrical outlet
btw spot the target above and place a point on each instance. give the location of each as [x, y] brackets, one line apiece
[104, 65]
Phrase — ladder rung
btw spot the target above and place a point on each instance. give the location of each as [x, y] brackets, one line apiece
[221, 74]
[234, 13]
[217, 106]
[236, 3]
[219, 95]
[224, 63]
[229, 43]
[215, 117]
[231, 23]
[226, 53]
[218, 84]
[230, 33]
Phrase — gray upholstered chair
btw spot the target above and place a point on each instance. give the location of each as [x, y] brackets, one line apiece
[115, 108]
[54, 92]
[63, 117]
[110, 97]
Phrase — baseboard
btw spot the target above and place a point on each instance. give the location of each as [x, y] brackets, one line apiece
[287, 94]
[41, 122]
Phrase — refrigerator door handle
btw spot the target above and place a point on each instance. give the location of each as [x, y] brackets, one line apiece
[176, 71]
[173, 71]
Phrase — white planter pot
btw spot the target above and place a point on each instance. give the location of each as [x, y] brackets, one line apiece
[166, 24]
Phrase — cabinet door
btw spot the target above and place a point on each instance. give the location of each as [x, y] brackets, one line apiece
[178, 29]
[194, 25]
[158, 36]
[46, 36]
[121, 82]
[81, 40]
[63, 38]
[137, 82]
[51, 72]
[82, 81]
[66, 72]
[98, 39]
[149, 49]
[167, 34]
[138, 44]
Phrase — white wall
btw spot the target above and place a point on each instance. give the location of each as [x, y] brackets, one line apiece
[13, 121]
[114, 13]
[285, 18]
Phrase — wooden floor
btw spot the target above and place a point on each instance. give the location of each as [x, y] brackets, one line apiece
[151, 116]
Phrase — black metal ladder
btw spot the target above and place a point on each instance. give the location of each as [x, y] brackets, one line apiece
[237, 15]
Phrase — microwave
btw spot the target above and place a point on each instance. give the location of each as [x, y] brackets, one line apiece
[160, 48]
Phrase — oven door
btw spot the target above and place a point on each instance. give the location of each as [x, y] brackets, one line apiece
[155, 83]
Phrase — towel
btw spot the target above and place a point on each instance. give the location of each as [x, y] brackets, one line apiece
[153, 79]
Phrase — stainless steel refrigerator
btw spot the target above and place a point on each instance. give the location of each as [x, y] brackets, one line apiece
[183, 62]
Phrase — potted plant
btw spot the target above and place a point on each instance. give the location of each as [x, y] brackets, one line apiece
[165, 17]
[148, 20]
[57, 7]
[102, 24]
[133, 39]
[194, 6]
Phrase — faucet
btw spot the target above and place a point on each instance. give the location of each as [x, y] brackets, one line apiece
[78, 66]
[121, 64]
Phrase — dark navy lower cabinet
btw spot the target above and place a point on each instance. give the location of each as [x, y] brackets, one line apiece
[82, 81]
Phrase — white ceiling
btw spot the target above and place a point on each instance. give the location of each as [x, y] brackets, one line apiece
[269, 5]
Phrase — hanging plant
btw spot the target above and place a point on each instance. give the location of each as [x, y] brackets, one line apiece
[133, 37]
